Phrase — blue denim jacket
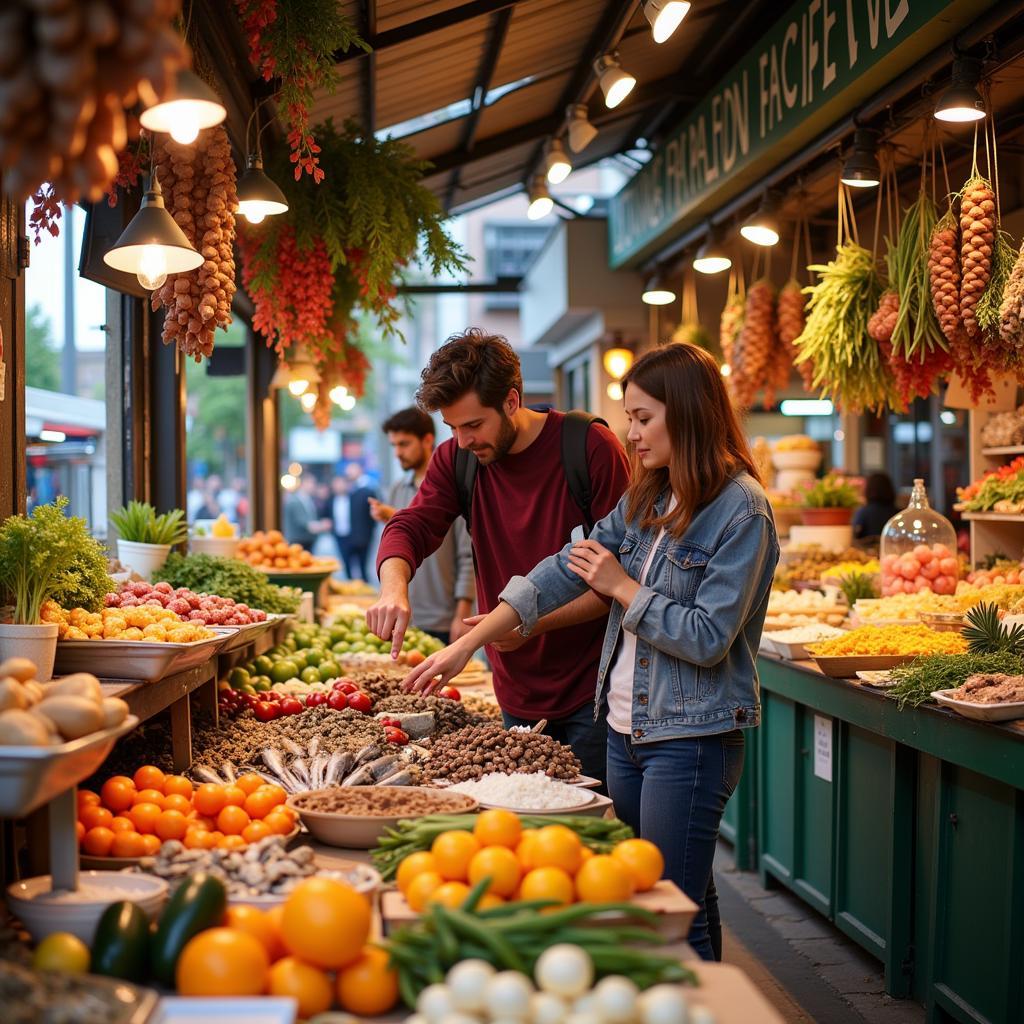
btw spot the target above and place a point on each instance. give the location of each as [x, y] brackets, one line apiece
[697, 620]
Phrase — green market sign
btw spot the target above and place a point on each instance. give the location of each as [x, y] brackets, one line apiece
[817, 63]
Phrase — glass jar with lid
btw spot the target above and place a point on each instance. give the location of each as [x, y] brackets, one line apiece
[918, 549]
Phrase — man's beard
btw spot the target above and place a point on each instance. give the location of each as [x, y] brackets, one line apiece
[503, 443]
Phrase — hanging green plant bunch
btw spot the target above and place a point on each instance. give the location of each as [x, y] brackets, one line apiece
[342, 249]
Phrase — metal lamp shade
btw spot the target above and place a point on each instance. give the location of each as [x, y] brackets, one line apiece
[203, 103]
[153, 225]
[255, 189]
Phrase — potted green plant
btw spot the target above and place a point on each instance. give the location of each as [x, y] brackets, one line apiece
[46, 556]
[145, 539]
[830, 502]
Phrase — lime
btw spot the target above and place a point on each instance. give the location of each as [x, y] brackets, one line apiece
[357, 646]
[283, 671]
[290, 643]
[328, 670]
[337, 634]
[262, 665]
[261, 684]
[61, 951]
[248, 688]
[237, 677]
[315, 656]
[310, 674]
[342, 648]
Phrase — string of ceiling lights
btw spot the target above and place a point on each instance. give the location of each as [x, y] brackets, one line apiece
[664, 17]
[960, 103]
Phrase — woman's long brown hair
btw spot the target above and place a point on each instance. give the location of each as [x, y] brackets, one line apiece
[708, 444]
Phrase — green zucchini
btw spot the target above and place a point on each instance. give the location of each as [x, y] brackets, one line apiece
[197, 904]
[121, 942]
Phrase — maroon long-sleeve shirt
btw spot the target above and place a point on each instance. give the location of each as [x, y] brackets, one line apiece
[522, 512]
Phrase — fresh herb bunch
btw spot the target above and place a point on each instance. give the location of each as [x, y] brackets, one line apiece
[985, 634]
[858, 586]
[832, 491]
[51, 555]
[139, 523]
[915, 682]
[599, 834]
[513, 936]
[227, 577]
[917, 328]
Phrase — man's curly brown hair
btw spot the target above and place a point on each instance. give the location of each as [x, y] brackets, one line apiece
[471, 361]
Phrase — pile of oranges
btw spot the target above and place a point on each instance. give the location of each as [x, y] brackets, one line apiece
[549, 863]
[271, 551]
[131, 817]
[293, 950]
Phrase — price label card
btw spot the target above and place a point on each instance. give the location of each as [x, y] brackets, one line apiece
[823, 747]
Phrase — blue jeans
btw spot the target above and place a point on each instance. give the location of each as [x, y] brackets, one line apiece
[587, 738]
[673, 793]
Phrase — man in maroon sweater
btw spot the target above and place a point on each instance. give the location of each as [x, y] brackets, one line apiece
[522, 511]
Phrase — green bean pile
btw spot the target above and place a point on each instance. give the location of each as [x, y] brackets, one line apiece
[513, 936]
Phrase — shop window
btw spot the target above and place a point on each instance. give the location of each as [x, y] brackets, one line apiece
[576, 386]
[510, 249]
[216, 453]
[65, 377]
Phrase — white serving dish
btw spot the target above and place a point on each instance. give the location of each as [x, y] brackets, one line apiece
[33, 776]
[798, 458]
[587, 799]
[586, 782]
[226, 1010]
[43, 911]
[1004, 712]
[135, 659]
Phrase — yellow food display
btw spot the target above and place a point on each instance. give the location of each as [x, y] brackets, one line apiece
[909, 606]
[269, 550]
[889, 640]
[145, 622]
[843, 569]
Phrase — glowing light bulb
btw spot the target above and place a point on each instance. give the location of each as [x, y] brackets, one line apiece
[348, 403]
[337, 394]
[253, 212]
[184, 123]
[152, 270]
[298, 387]
[308, 401]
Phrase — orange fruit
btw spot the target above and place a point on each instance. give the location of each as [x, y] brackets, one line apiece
[195, 838]
[556, 846]
[498, 828]
[149, 796]
[118, 793]
[234, 796]
[453, 850]
[643, 860]
[127, 844]
[260, 803]
[368, 987]
[524, 850]
[208, 799]
[232, 819]
[421, 888]
[249, 782]
[223, 962]
[151, 845]
[450, 894]
[95, 817]
[231, 843]
[274, 915]
[325, 922]
[585, 854]
[255, 831]
[122, 823]
[79, 832]
[177, 785]
[201, 821]
[413, 865]
[548, 883]
[256, 923]
[149, 777]
[309, 986]
[97, 841]
[145, 816]
[211, 840]
[279, 822]
[177, 802]
[86, 797]
[603, 879]
[171, 825]
[489, 900]
[499, 864]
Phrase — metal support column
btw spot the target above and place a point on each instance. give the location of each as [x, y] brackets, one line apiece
[12, 335]
[165, 461]
[263, 434]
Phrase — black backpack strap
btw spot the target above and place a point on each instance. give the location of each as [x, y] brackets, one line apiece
[574, 459]
[466, 465]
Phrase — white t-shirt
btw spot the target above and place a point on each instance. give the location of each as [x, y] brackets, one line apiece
[620, 679]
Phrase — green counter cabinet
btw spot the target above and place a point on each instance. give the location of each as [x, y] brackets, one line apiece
[739, 822]
[906, 829]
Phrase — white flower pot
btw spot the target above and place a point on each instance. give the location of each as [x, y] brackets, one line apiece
[145, 559]
[220, 547]
[38, 643]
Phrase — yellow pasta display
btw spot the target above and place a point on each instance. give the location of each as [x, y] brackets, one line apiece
[145, 622]
[889, 640]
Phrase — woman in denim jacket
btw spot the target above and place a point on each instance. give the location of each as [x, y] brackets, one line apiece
[687, 559]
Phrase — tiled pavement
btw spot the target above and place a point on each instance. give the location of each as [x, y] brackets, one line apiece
[809, 970]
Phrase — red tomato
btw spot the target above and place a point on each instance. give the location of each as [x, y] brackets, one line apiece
[450, 692]
[359, 701]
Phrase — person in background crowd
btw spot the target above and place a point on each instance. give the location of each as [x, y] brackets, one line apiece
[302, 521]
[361, 524]
[324, 500]
[688, 557]
[210, 507]
[878, 509]
[521, 510]
[441, 593]
[194, 500]
[341, 517]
